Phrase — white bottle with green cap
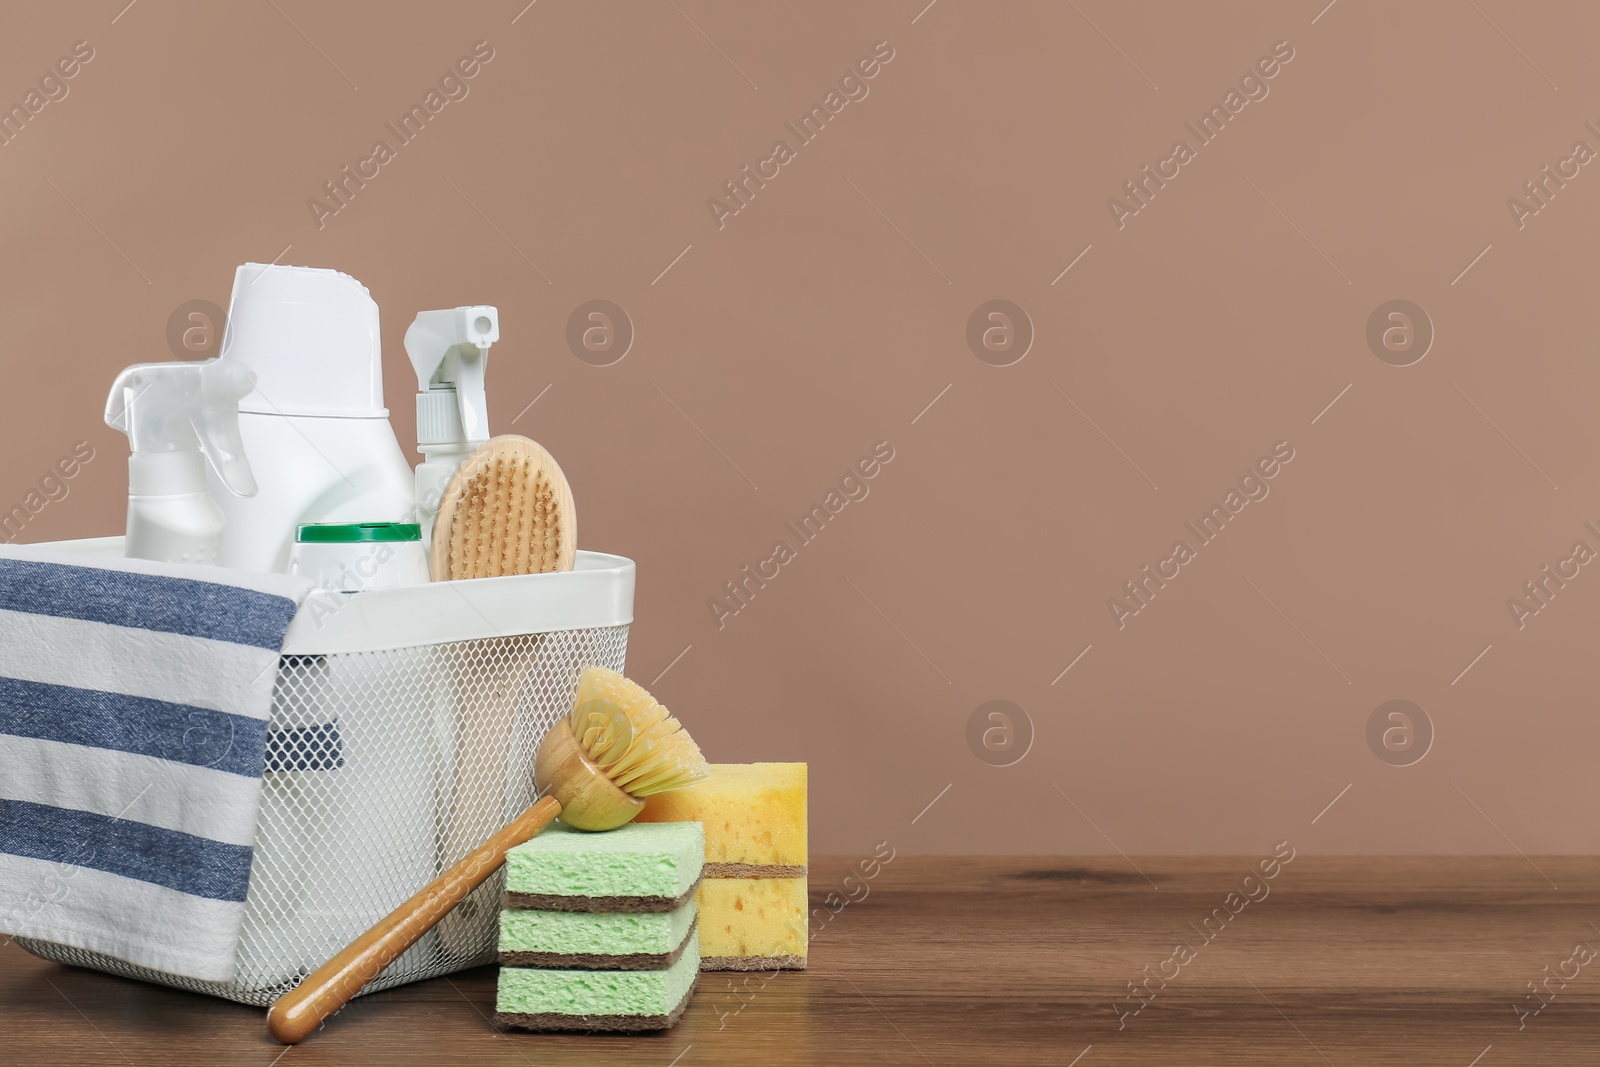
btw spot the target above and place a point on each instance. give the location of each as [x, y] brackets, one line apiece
[315, 425]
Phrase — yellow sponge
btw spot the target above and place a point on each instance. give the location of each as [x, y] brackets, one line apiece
[752, 924]
[754, 815]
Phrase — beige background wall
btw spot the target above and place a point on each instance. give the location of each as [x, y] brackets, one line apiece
[775, 351]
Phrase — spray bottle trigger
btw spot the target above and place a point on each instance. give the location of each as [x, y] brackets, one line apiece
[223, 383]
[470, 367]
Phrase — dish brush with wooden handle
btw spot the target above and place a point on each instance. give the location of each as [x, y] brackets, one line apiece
[592, 769]
[507, 510]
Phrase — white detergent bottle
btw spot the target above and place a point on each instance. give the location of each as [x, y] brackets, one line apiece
[315, 424]
[449, 350]
[177, 416]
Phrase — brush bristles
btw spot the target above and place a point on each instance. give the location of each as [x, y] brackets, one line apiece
[509, 524]
[633, 739]
[508, 510]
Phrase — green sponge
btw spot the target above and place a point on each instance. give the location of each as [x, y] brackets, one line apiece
[621, 941]
[531, 998]
[640, 867]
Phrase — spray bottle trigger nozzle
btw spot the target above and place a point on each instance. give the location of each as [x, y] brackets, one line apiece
[449, 350]
[186, 407]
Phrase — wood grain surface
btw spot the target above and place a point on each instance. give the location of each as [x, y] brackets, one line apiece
[999, 961]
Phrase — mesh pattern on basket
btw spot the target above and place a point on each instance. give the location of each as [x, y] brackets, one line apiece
[384, 768]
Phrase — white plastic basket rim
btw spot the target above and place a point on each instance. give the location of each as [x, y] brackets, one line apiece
[597, 592]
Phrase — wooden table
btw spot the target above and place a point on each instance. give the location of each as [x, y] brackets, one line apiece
[1002, 961]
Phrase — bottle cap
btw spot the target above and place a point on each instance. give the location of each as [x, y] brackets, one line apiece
[345, 533]
[311, 335]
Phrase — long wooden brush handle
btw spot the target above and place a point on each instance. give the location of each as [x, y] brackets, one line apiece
[483, 756]
[301, 1010]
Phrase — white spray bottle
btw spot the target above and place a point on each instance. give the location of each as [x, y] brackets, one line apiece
[177, 416]
[450, 351]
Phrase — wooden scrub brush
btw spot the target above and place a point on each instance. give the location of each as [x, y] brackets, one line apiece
[617, 746]
[507, 510]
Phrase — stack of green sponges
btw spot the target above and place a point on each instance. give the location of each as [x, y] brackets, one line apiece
[598, 932]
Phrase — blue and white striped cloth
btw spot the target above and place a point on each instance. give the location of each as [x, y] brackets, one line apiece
[134, 700]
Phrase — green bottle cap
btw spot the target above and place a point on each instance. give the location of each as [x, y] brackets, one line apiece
[344, 533]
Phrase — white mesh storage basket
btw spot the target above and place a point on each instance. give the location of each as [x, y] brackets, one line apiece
[403, 733]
